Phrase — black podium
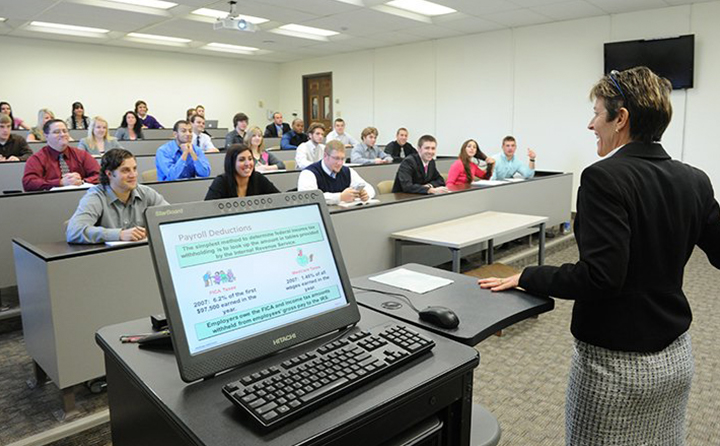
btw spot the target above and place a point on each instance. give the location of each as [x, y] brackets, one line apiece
[427, 402]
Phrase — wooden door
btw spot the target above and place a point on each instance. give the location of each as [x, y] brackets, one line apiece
[317, 100]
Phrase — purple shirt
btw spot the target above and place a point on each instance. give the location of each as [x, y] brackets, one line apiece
[150, 122]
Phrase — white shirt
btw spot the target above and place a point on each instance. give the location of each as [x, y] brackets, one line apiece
[307, 181]
[308, 153]
[346, 139]
[205, 143]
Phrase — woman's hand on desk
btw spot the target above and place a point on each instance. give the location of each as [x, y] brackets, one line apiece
[500, 284]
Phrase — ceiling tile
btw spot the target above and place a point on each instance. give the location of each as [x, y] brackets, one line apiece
[521, 17]
[25, 9]
[363, 22]
[434, 32]
[472, 25]
[480, 7]
[619, 6]
[569, 10]
[84, 15]
[264, 10]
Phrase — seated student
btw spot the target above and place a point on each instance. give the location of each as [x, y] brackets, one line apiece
[36, 133]
[417, 173]
[57, 164]
[311, 151]
[146, 120]
[17, 123]
[77, 120]
[400, 147]
[337, 181]
[465, 168]
[507, 164]
[114, 209]
[237, 134]
[130, 128]
[240, 178]
[200, 138]
[98, 140]
[179, 158]
[366, 152]
[12, 147]
[264, 161]
[277, 128]
[294, 137]
[339, 134]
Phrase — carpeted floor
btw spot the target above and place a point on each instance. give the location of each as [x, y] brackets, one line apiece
[521, 378]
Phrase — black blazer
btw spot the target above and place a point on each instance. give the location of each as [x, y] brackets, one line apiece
[639, 216]
[271, 130]
[411, 177]
[394, 149]
[258, 185]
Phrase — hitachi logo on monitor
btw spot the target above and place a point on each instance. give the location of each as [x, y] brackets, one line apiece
[168, 212]
[285, 338]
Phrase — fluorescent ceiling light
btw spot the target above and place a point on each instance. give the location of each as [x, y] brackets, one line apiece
[158, 4]
[72, 30]
[421, 7]
[2, 19]
[300, 29]
[152, 38]
[216, 14]
[226, 48]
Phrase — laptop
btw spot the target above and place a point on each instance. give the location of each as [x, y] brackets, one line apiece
[242, 279]
[211, 124]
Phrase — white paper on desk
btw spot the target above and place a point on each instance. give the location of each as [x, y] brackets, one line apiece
[487, 183]
[345, 204]
[412, 281]
[82, 186]
[514, 180]
[122, 242]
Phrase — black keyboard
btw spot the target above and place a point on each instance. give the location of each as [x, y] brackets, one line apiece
[278, 394]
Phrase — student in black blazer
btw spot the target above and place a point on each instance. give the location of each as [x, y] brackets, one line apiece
[417, 173]
[271, 130]
[240, 178]
[639, 216]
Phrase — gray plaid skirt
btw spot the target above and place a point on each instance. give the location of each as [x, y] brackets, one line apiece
[628, 398]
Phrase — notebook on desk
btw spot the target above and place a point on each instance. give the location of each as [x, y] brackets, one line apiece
[244, 278]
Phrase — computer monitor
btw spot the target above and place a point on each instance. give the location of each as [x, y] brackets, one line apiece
[243, 278]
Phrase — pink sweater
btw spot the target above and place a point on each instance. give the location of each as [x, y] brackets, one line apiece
[457, 173]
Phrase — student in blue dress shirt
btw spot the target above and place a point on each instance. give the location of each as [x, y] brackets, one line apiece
[179, 158]
[507, 164]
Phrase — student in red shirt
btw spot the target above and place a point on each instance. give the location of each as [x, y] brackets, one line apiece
[44, 170]
[465, 168]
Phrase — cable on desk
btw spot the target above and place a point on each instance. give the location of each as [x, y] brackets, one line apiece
[389, 293]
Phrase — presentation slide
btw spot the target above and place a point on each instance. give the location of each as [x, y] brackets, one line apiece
[243, 274]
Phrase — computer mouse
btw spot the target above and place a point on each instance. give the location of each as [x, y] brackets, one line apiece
[441, 316]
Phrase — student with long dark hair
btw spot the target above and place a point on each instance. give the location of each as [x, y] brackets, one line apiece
[465, 168]
[130, 128]
[77, 120]
[17, 123]
[240, 178]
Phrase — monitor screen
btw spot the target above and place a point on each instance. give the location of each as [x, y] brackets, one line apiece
[239, 275]
[672, 58]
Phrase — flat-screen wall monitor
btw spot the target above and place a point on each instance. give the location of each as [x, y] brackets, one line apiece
[672, 58]
[243, 278]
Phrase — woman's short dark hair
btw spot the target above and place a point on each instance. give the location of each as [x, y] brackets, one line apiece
[645, 96]
[138, 124]
[230, 158]
[111, 160]
[138, 103]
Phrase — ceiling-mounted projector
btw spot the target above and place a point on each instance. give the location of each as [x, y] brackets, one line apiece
[235, 24]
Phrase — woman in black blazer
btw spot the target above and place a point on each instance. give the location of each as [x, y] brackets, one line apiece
[640, 214]
[240, 178]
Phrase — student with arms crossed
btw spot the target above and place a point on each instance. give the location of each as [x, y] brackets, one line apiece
[12, 147]
[240, 178]
[367, 152]
[57, 164]
[338, 182]
[113, 210]
[417, 173]
[178, 158]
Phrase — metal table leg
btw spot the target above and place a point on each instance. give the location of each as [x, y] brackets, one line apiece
[398, 252]
[541, 243]
[455, 260]
[490, 256]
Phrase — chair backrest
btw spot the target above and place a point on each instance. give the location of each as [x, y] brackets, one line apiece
[290, 164]
[149, 175]
[385, 187]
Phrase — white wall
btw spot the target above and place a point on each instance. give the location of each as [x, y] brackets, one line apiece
[108, 81]
[532, 82]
